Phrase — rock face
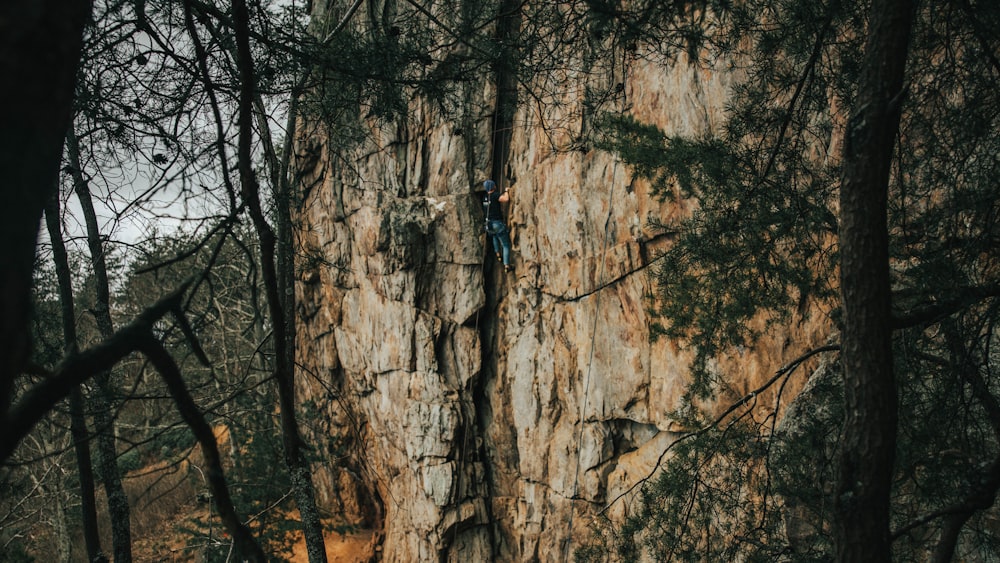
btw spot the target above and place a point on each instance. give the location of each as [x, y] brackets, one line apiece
[482, 415]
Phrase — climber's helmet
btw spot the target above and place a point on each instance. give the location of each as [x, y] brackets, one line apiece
[489, 185]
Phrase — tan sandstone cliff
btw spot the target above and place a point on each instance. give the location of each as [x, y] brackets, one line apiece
[483, 415]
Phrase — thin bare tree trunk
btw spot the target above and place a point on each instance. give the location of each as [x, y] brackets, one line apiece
[118, 509]
[63, 537]
[51, 491]
[865, 467]
[298, 465]
[84, 463]
[78, 423]
[277, 265]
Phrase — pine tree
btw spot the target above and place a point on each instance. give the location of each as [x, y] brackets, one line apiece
[815, 119]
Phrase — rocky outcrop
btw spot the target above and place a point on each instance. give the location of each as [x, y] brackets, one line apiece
[483, 415]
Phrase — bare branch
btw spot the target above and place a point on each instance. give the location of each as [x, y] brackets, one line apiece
[955, 301]
[77, 368]
[245, 543]
[785, 370]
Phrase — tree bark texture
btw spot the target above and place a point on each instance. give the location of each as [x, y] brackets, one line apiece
[118, 509]
[84, 463]
[40, 45]
[865, 467]
[64, 538]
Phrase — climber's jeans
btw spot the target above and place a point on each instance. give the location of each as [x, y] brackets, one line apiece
[501, 239]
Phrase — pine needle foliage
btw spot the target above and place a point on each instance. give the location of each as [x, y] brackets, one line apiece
[752, 248]
[757, 244]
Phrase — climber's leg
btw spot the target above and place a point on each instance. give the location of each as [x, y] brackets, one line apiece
[496, 244]
[505, 244]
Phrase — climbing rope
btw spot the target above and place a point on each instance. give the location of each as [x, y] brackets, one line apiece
[590, 362]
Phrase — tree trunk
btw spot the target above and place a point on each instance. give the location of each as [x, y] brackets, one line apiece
[298, 465]
[118, 509]
[865, 466]
[51, 492]
[40, 45]
[84, 463]
[64, 540]
[277, 266]
[78, 423]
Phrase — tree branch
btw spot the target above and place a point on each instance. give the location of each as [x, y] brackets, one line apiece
[751, 396]
[77, 368]
[245, 543]
[956, 301]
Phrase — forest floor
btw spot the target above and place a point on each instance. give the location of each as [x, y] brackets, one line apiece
[351, 547]
[168, 525]
[355, 547]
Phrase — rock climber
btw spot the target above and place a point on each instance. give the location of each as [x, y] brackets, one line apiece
[496, 229]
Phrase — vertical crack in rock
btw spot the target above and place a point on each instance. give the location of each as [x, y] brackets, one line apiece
[499, 446]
